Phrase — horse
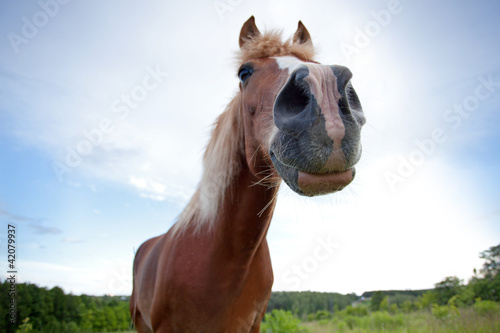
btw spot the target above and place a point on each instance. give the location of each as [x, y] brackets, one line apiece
[293, 119]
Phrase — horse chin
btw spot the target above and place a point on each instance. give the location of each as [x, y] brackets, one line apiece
[312, 184]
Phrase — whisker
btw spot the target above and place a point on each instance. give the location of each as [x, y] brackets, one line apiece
[268, 204]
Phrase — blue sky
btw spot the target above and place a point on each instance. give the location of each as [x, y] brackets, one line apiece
[151, 78]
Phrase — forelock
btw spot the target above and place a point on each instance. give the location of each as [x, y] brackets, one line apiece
[271, 44]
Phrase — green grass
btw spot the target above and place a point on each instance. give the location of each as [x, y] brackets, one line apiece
[467, 321]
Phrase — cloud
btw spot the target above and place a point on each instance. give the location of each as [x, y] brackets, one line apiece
[19, 218]
[41, 230]
[140, 183]
[158, 191]
[70, 240]
[149, 188]
[155, 197]
[39, 265]
[34, 223]
[489, 216]
[36, 272]
[105, 277]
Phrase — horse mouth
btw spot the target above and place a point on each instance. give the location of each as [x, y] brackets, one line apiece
[317, 184]
[311, 184]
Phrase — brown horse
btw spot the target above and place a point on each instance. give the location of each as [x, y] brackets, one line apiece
[293, 119]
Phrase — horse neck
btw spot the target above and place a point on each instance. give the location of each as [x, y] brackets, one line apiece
[229, 208]
[245, 215]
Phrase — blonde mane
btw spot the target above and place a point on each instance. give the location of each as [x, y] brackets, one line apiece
[225, 150]
[221, 162]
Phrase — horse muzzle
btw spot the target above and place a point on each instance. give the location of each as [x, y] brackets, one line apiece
[318, 118]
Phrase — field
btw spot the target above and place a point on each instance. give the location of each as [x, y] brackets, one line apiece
[465, 321]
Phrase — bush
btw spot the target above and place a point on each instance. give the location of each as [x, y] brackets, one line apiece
[484, 308]
[383, 320]
[280, 321]
[384, 305]
[358, 311]
[324, 322]
[426, 300]
[352, 321]
[71, 327]
[341, 326]
[322, 315]
[408, 307]
[448, 311]
[444, 312]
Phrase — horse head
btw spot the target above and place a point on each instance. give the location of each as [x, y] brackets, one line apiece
[301, 119]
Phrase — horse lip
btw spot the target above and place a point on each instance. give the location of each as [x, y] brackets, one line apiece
[312, 184]
[317, 184]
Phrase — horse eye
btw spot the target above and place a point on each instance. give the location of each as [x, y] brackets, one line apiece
[244, 74]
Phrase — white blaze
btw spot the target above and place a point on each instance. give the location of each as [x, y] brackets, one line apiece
[288, 62]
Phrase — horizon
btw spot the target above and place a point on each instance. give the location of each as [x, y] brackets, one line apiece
[105, 111]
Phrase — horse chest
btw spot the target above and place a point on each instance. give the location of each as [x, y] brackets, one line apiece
[209, 293]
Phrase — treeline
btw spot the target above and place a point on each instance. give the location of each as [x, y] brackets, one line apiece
[305, 302]
[482, 292]
[40, 309]
[452, 291]
[483, 287]
[51, 310]
[451, 306]
[398, 293]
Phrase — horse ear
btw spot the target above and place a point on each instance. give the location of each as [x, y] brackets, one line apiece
[248, 31]
[302, 35]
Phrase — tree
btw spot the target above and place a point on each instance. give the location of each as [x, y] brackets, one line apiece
[26, 326]
[486, 285]
[426, 300]
[384, 305]
[447, 288]
[377, 298]
[491, 267]
[122, 316]
[59, 300]
[100, 322]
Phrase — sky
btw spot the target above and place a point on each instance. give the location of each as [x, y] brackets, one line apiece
[106, 108]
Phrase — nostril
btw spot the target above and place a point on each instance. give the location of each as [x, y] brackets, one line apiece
[349, 103]
[348, 96]
[343, 75]
[300, 74]
[293, 98]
